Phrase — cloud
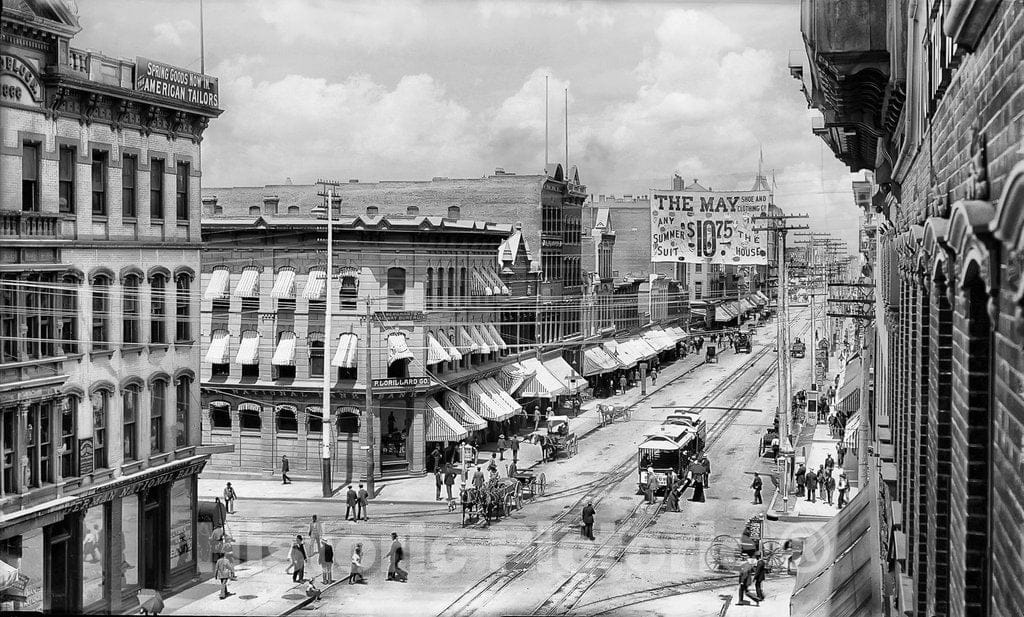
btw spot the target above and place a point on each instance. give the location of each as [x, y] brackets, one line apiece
[174, 33]
[371, 26]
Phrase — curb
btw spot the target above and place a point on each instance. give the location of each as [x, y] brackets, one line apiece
[304, 603]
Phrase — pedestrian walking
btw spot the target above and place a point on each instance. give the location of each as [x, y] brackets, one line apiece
[775, 448]
[536, 417]
[760, 573]
[514, 446]
[695, 477]
[316, 532]
[622, 384]
[449, 480]
[437, 456]
[588, 520]
[297, 555]
[840, 453]
[830, 463]
[811, 484]
[830, 487]
[229, 498]
[395, 556]
[502, 446]
[706, 464]
[357, 566]
[478, 478]
[438, 482]
[756, 485]
[800, 474]
[821, 482]
[326, 562]
[844, 486]
[654, 376]
[284, 470]
[652, 485]
[224, 572]
[746, 576]
[492, 465]
[362, 501]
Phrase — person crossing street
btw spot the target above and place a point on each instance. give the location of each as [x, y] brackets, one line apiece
[756, 485]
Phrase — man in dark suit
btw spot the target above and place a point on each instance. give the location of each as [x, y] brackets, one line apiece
[756, 485]
[351, 501]
[588, 520]
[746, 574]
[284, 470]
[760, 573]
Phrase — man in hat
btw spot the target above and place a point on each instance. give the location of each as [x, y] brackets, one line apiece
[502, 446]
[843, 485]
[756, 485]
[588, 520]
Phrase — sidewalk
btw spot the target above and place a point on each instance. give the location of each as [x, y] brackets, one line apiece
[421, 490]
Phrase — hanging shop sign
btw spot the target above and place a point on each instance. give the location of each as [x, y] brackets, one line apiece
[390, 316]
[709, 227]
[177, 84]
[394, 382]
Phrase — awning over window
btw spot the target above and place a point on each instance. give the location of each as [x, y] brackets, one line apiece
[347, 354]
[849, 395]
[248, 284]
[218, 285]
[284, 355]
[439, 425]
[495, 336]
[842, 577]
[597, 362]
[677, 333]
[479, 286]
[284, 284]
[316, 283]
[642, 349]
[501, 284]
[490, 275]
[499, 393]
[542, 384]
[760, 298]
[398, 349]
[658, 341]
[249, 348]
[486, 406]
[436, 352]
[851, 433]
[467, 342]
[449, 346]
[622, 353]
[483, 343]
[725, 312]
[461, 411]
[218, 351]
[567, 375]
[746, 305]
[511, 377]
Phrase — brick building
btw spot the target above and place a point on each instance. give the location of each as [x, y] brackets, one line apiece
[414, 306]
[940, 123]
[99, 227]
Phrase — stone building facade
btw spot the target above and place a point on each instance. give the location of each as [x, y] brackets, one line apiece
[941, 124]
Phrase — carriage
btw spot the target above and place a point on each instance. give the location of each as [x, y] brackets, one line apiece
[494, 500]
[741, 342]
[711, 355]
[610, 412]
[555, 439]
[729, 553]
[798, 349]
[666, 448]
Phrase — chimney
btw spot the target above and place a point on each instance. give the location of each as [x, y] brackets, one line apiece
[413, 210]
[454, 212]
[270, 204]
[371, 211]
[519, 225]
[210, 206]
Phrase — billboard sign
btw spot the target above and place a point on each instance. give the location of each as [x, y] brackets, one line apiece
[709, 227]
[177, 84]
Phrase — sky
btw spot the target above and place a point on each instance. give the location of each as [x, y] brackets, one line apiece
[409, 90]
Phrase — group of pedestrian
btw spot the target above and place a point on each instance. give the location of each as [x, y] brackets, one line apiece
[754, 570]
[355, 504]
[823, 483]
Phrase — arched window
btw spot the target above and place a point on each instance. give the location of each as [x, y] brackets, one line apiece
[69, 312]
[249, 417]
[69, 436]
[463, 287]
[184, 410]
[129, 421]
[451, 288]
[157, 413]
[440, 287]
[183, 308]
[100, 400]
[220, 415]
[254, 210]
[396, 289]
[348, 421]
[293, 209]
[158, 309]
[131, 309]
[349, 291]
[101, 312]
[285, 420]
[429, 292]
[314, 419]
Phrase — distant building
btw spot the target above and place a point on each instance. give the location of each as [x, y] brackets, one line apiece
[99, 318]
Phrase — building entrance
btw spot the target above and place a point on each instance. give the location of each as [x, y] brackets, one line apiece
[62, 564]
[154, 539]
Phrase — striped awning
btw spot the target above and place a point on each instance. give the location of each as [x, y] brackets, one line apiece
[500, 394]
[641, 349]
[495, 336]
[217, 288]
[249, 348]
[468, 344]
[501, 285]
[316, 283]
[541, 384]
[621, 353]
[850, 434]
[284, 284]
[218, 351]
[597, 362]
[488, 408]
[746, 305]
[511, 377]
[760, 299]
[479, 286]
[398, 349]
[566, 374]
[347, 354]
[284, 354]
[248, 284]
[449, 346]
[461, 411]
[440, 426]
[436, 352]
[483, 342]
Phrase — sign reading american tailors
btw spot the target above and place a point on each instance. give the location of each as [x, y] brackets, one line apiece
[175, 83]
[709, 227]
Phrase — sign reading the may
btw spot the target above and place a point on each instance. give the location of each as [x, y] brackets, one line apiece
[709, 227]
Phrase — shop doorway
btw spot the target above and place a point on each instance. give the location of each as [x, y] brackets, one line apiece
[62, 567]
[395, 432]
[154, 534]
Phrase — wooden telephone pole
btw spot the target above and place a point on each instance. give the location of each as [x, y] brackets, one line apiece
[327, 420]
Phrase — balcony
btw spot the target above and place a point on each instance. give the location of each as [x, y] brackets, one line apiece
[15, 224]
[849, 68]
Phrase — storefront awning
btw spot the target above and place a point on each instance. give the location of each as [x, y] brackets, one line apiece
[398, 348]
[644, 350]
[499, 394]
[248, 284]
[746, 305]
[249, 348]
[218, 351]
[479, 285]
[284, 284]
[440, 426]
[842, 575]
[496, 336]
[436, 352]
[851, 433]
[449, 346]
[284, 354]
[567, 375]
[486, 338]
[621, 353]
[502, 288]
[316, 282]
[541, 384]
[849, 394]
[511, 377]
[217, 288]
[485, 405]
[759, 298]
[678, 333]
[347, 355]
[724, 312]
[467, 343]
[597, 362]
[462, 412]
[483, 342]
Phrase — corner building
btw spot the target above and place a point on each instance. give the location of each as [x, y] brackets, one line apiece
[99, 229]
[929, 97]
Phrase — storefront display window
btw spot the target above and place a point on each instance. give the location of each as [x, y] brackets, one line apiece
[94, 546]
[130, 542]
[182, 545]
[25, 552]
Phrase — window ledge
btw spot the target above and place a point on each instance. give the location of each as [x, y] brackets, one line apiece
[100, 353]
[153, 221]
[250, 432]
[102, 475]
[221, 431]
[158, 346]
[74, 356]
[129, 219]
[133, 347]
[188, 343]
[159, 458]
[287, 435]
[132, 467]
[99, 218]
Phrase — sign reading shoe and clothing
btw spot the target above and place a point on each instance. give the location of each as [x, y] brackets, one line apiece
[714, 227]
[175, 83]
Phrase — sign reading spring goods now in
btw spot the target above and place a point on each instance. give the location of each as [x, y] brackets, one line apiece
[174, 83]
[709, 227]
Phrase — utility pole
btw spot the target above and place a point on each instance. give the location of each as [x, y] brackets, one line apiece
[813, 266]
[777, 224]
[327, 432]
[371, 428]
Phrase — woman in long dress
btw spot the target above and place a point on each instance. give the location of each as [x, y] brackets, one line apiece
[357, 565]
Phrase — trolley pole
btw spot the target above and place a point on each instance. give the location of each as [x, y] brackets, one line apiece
[327, 429]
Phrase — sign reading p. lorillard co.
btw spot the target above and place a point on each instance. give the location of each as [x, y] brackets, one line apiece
[174, 83]
[395, 382]
[708, 227]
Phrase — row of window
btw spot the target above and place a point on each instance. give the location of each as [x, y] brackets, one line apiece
[31, 178]
[250, 419]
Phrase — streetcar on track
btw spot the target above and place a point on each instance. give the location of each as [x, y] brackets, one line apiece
[692, 421]
[666, 448]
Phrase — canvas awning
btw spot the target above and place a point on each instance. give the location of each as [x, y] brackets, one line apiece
[511, 377]
[597, 362]
[851, 433]
[760, 298]
[248, 284]
[485, 405]
[449, 346]
[642, 349]
[498, 394]
[483, 345]
[746, 305]
[621, 353]
[541, 384]
[479, 286]
[724, 312]
[658, 340]
[842, 576]
[347, 354]
[249, 348]
[461, 411]
[218, 351]
[496, 336]
[398, 348]
[284, 284]
[678, 333]
[440, 426]
[486, 337]
[468, 344]
[217, 288]
[284, 354]
[573, 381]
[436, 352]
[316, 283]
[851, 386]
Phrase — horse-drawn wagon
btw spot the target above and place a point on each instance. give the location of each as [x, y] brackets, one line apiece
[610, 412]
[495, 499]
[555, 439]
